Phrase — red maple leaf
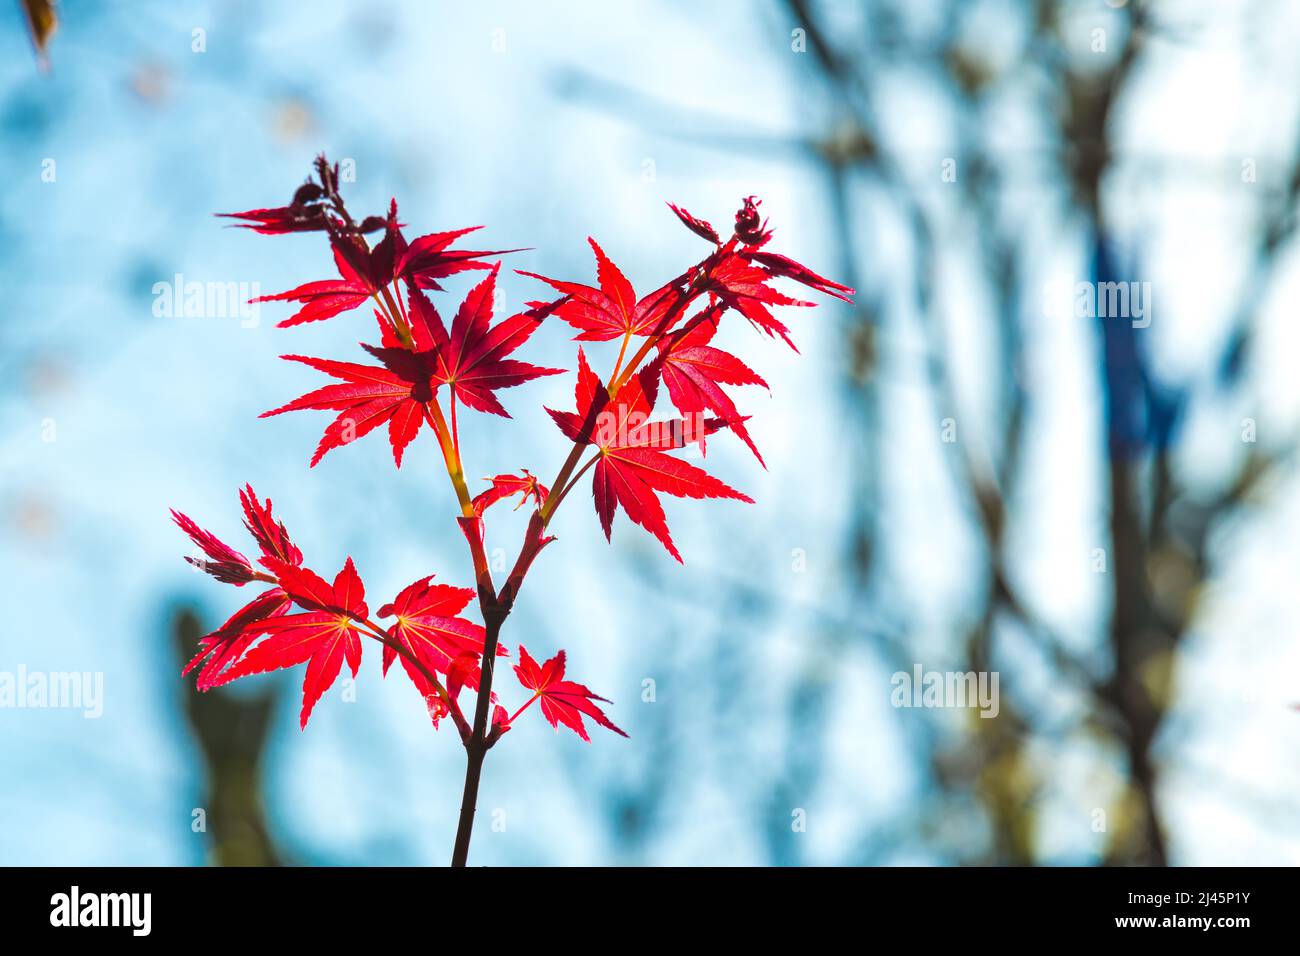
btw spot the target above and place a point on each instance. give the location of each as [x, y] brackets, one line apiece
[472, 360]
[694, 373]
[224, 645]
[427, 626]
[305, 213]
[503, 486]
[368, 397]
[563, 702]
[698, 226]
[613, 310]
[364, 272]
[632, 468]
[743, 286]
[270, 535]
[279, 220]
[224, 563]
[324, 635]
[779, 265]
[329, 297]
[429, 258]
[462, 669]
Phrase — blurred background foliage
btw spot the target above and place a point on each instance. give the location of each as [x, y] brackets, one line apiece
[963, 473]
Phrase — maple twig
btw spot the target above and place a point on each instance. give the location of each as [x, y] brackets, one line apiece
[479, 741]
[558, 496]
[476, 746]
[561, 478]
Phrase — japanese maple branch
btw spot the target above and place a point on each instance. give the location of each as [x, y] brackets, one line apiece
[476, 744]
[478, 739]
[474, 738]
[496, 609]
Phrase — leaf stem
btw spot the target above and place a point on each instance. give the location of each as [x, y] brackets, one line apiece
[433, 412]
[455, 429]
[558, 496]
[622, 351]
[400, 325]
[384, 638]
[528, 703]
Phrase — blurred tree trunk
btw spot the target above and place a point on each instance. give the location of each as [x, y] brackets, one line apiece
[231, 733]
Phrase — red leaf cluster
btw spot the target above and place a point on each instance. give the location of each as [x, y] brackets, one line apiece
[419, 374]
